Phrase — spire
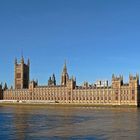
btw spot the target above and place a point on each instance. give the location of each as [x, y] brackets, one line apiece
[28, 62]
[75, 79]
[22, 59]
[5, 86]
[64, 76]
[11, 87]
[37, 81]
[15, 60]
[1, 86]
[113, 76]
[49, 81]
[53, 79]
[65, 67]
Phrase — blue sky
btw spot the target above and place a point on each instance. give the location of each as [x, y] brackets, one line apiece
[96, 37]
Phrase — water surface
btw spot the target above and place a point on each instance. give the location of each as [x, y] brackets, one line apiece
[42, 122]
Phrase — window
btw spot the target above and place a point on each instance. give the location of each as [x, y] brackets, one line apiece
[133, 97]
[116, 92]
[133, 92]
[18, 75]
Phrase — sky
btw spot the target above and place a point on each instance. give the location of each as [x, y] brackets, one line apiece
[96, 37]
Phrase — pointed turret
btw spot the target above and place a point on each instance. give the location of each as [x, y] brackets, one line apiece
[64, 76]
[5, 86]
[11, 87]
[65, 68]
[37, 81]
[1, 86]
[28, 62]
[15, 61]
[53, 80]
[49, 81]
[22, 59]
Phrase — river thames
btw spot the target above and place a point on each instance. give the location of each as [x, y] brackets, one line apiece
[91, 123]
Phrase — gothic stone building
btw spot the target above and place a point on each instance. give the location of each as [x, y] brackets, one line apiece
[118, 93]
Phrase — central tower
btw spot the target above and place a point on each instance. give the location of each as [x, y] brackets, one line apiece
[21, 74]
[64, 76]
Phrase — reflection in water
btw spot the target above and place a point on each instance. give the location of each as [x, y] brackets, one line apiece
[38, 122]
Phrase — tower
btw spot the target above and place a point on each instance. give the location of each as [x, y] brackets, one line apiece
[52, 81]
[117, 83]
[134, 88]
[64, 76]
[133, 81]
[21, 74]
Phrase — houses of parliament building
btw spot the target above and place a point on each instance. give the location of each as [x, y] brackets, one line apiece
[100, 93]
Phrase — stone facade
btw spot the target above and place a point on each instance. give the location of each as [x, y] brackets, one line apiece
[118, 93]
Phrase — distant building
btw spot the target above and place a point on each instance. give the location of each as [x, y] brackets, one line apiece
[101, 93]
